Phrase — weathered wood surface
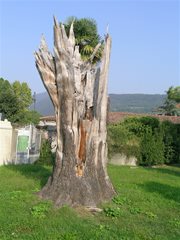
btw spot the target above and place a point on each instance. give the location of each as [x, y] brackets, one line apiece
[78, 90]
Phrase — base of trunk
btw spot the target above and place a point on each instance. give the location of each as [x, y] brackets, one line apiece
[89, 190]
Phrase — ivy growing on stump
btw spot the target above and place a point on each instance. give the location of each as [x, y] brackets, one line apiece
[78, 90]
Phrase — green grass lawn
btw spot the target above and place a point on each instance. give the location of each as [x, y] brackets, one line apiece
[147, 206]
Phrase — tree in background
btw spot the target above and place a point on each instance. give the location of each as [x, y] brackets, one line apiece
[23, 94]
[170, 106]
[9, 105]
[15, 100]
[173, 93]
[28, 117]
[86, 37]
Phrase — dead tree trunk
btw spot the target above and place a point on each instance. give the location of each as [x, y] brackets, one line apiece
[78, 91]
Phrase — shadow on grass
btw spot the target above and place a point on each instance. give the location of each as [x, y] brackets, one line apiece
[37, 172]
[166, 191]
[165, 170]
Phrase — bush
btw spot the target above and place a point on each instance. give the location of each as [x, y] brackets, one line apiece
[121, 140]
[139, 125]
[150, 122]
[171, 139]
[151, 149]
[46, 156]
[135, 126]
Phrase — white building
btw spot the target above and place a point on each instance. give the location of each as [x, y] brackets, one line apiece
[20, 145]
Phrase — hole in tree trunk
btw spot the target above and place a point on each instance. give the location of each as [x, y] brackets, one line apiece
[89, 113]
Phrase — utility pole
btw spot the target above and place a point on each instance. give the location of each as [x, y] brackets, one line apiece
[34, 100]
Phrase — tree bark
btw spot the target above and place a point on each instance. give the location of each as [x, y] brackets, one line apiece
[78, 91]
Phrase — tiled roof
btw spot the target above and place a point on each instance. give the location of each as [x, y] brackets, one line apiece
[48, 118]
[114, 117]
[178, 105]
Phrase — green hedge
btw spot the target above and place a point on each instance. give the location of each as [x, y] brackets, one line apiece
[121, 140]
[149, 140]
[146, 138]
[171, 139]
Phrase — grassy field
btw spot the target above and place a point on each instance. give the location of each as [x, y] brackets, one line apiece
[147, 207]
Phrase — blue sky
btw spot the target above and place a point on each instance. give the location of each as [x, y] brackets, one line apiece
[145, 55]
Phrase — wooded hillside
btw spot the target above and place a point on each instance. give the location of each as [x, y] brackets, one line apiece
[136, 103]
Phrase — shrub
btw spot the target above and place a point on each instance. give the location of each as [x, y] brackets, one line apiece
[134, 125]
[46, 156]
[171, 139]
[151, 141]
[151, 149]
[138, 125]
[150, 122]
[121, 140]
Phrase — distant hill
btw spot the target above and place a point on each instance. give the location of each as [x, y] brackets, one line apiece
[43, 104]
[135, 103]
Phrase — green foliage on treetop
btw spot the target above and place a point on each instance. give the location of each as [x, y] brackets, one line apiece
[9, 104]
[15, 100]
[170, 104]
[174, 94]
[23, 93]
[86, 36]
